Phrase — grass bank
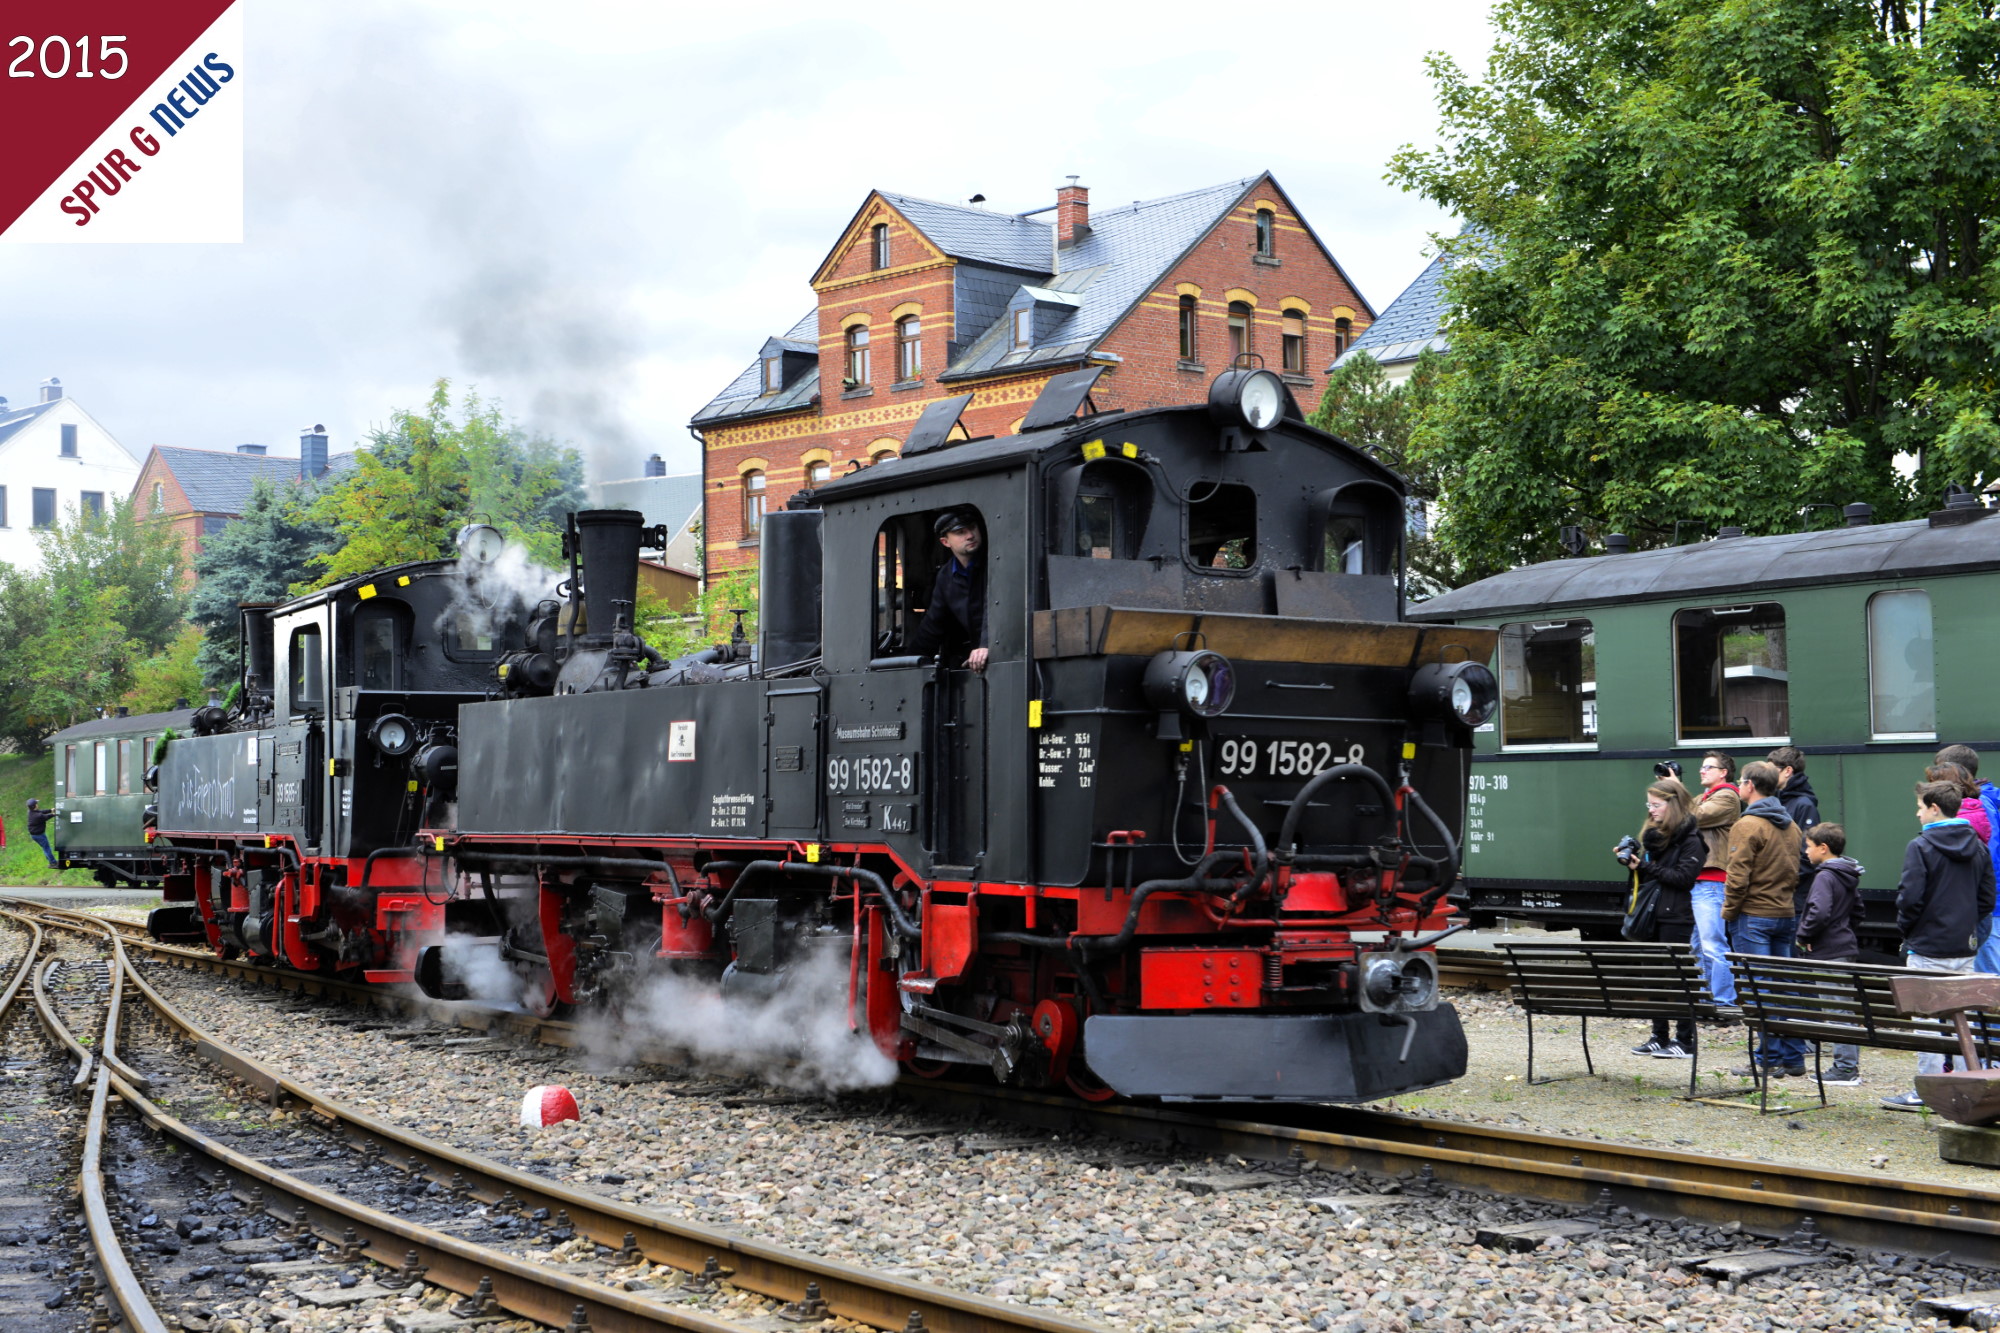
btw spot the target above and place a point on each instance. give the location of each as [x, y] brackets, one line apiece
[21, 862]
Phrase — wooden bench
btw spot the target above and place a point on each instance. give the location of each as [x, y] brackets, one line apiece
[1849, 1003]
[1594, 980]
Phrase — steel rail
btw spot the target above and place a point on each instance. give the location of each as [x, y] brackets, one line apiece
[27, 959]
[533, 1290]
[126, 1288]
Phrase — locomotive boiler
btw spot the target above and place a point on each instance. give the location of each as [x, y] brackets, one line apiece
[1186, 831]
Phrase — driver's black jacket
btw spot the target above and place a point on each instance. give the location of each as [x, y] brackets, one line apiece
[955, 621]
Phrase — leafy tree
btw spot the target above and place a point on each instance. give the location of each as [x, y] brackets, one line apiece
[1730, 257]
[1365, 409]
[428, 475]
[121, 550]
[256, 558]
[168, 676]
[706, 621]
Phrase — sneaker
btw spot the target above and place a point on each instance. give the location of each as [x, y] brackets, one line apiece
[1842, 1078]
[1651, 1047]
[1792, 1071]
[1904, 1101]
[1755, 1070]
[1673, 1050]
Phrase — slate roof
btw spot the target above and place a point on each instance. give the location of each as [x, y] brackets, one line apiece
[745, 395]
[219, 483]
[979, 234]
[12, 422]
[669, 500]
[1413, 321]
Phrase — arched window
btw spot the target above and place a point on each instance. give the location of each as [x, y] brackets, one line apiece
[818, 474]
[1190, 348]
[880, 454]
[159, 496]
[1267, 231]
[857, 356]
[753, 504]
[1343, 335]
[1239, 329]
[879, 244]
[1295, 341]
[909, 348]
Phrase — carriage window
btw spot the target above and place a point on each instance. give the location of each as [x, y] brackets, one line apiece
[378, 647]
[1548, 683]
[1222, 525]
[69, 770]
[103, 749]
[124, 768]
[1902, 673]
[1732, 677]
[307, 673]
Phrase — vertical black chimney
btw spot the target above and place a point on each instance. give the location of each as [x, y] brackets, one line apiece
[656, 467]
[609, 541]
[312, 454]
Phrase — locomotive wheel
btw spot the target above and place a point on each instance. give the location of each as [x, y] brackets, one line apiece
[923, 1068]
[1085, 1084]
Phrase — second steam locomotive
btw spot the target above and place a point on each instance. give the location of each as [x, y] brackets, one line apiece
[1185, 828]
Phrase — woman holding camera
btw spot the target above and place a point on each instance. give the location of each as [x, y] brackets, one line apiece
[1668, 852]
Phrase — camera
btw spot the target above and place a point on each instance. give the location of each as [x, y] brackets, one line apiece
[1627, 848]
[1667, 768]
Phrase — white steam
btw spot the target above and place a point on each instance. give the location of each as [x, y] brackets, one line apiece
[488, 597]
[798, 1038]
[488, 978]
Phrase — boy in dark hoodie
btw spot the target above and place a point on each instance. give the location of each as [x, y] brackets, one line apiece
[1829, 931]
[1943, 900]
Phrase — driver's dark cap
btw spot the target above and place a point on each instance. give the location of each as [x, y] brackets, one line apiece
[954, 520]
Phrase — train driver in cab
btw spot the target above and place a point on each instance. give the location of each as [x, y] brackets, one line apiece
[954, 623]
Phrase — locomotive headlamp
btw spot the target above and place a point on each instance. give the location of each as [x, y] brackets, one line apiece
[481, 542]
[1251, 398]
[1464, 692]
[393, 735]
[1395, 983]
[1198, 683]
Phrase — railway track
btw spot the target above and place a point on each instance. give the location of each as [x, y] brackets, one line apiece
[1799, 1205]
[605, 1243]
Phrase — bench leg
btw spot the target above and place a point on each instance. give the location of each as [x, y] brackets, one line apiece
[1588, 1068]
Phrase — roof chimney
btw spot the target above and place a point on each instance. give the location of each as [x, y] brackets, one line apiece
[1859, 515]
[51, 389]
[312, 454]
[1616, 543]
[257, 449]
[1072, 213]
[655, 467]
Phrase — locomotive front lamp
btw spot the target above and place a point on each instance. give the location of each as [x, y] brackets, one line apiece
[481, 542]
[1463, 692]
[1195, 684]
[1249, 398]
[393, 735]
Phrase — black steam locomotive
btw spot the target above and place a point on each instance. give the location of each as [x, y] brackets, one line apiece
[1186, 831]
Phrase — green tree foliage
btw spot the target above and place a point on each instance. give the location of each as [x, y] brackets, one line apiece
[1365, 409]
[429, 474]
[107, 597]
[168, 676]
[706, 621]
[1729, 257]
[256, 558]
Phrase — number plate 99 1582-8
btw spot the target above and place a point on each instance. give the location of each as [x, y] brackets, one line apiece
[1251, 757]
[895, 773]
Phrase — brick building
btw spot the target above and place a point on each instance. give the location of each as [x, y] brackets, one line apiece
[197, 492]
[918, 301]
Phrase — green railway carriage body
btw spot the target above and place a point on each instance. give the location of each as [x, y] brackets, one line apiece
[1559, 774]
[101, 797]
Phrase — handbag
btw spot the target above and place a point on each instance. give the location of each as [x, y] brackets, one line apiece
[1642, 911]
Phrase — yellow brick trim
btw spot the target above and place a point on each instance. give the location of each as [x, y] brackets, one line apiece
[745, 465]
[1298, 303]
[1341, 312]
[907, 308]
[778, 430]
[1187, 289]
[858, 234]
[1240, 294]
[811, 456]
[1264, 204]
[849, 321]
[888, 443]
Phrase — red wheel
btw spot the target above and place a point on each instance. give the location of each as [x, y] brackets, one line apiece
[1085, 1085]
[923, 1068]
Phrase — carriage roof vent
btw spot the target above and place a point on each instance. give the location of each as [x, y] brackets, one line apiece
[1724, 534]
[1960, 506]
[1616, 543]
[1859, 514]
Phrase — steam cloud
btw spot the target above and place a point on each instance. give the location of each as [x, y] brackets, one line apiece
[797, 1039]
[487, 598]
[488, 979]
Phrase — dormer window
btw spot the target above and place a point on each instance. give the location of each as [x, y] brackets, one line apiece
[879, 244]
[1024, 327]
[69, 441]
[1267, 232]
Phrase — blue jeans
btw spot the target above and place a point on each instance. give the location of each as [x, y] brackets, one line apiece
[1710, 940]
[1988, 959]
[41, 840]
[1771, 937]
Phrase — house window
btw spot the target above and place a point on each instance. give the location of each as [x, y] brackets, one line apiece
[753, 504]
[1902, 668]
[69, 441]
[3, 506]
[1343, 335]
[879, 244]
[93, 504]
[1548, 683]
[159, 496]
[1732, 674]
[1024, 327]
[45, 507]
[1295, 341]
[909, 348]
[857, 356]
[774, 373]
[818, 474]
[1267, 229]
[1239, 329]
[880, 454]
[1189, 346]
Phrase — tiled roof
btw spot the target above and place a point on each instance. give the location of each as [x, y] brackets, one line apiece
[669, 500]
[979, 234]
[11, 422]
[1414, 321]
[745, 395]
[219, 483]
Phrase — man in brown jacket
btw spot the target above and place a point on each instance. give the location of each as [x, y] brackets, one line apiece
[1763, 870]
[1716, 808]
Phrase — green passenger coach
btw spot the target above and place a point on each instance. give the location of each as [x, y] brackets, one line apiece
[1867, 646]
[101, 796]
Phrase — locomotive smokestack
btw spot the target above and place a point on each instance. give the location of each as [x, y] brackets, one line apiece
[608, 541]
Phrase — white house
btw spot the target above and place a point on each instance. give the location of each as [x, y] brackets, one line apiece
[55, 460]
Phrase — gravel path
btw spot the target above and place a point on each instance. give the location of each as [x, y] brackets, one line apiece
[1106, 1232]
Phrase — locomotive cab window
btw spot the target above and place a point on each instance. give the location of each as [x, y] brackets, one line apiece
[1902, 666]
[1110, 511]
[1732, 679]
[1548, 683]
[381, 639]
[1221, 526]
[1356, 529]
[469, 636]
[912, 564]
[306, 671]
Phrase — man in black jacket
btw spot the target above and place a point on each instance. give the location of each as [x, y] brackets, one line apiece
[38, 823]
[1942, 901]
[954, 624]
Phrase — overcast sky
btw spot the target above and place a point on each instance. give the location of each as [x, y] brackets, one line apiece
[596, 212]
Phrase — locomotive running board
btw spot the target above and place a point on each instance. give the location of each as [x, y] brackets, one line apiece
[1273, 1057]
